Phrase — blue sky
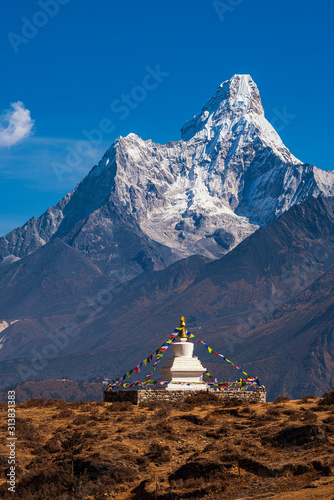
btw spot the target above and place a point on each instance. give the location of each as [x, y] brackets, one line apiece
[66, 63]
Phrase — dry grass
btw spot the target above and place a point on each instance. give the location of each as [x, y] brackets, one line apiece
[195, 450]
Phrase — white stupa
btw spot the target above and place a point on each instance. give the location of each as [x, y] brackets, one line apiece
[183, 366]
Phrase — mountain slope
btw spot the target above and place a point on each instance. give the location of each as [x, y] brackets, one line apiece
[50, 280]
[146, 205]
[267, 305]
[235, 292]
[294, 347]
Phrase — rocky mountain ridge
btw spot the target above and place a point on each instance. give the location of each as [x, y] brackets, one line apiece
[147, 205]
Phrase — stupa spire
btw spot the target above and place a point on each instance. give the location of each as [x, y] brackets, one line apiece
[182, 334]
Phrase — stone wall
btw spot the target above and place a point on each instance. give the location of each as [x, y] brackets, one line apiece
[143, 396]
[113, 396]
[257, 396]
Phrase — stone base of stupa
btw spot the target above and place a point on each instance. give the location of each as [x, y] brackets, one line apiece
[144, 396]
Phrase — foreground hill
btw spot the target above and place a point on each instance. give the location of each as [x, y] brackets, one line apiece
[201, 450]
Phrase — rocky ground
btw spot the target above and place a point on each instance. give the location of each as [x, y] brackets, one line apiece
[199, 449]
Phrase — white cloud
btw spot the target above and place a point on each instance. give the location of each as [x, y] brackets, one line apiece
[15, 124]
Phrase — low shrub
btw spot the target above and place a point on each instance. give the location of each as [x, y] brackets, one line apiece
[58, 403]
[281, 399]
[159, 453]
[202, 397]
[33, 403]
[289, 412]
[138, 419]
[52, 445]
[329, 420]
[81, 420]
[26, 431]
[163, 412]
[247, 410]
[273, 412]
[231, 402]
[224, 430]
[327, 399]
[142, 462]
[65, 413]
[194, 419]
[120, 406]
[309, 416]
[306, 399]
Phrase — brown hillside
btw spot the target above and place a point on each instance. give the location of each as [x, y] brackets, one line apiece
[195, 450]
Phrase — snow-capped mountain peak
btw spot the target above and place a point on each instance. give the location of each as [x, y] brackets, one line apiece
[146, 205]
[235, 116]
[233, 99]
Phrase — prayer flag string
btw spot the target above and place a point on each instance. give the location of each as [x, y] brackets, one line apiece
[212, 351]
[115, 383]
[120, 381]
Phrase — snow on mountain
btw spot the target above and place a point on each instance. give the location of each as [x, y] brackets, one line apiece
[235, 112]
[146, 205]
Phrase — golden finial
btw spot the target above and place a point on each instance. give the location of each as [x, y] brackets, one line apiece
[182, 334]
